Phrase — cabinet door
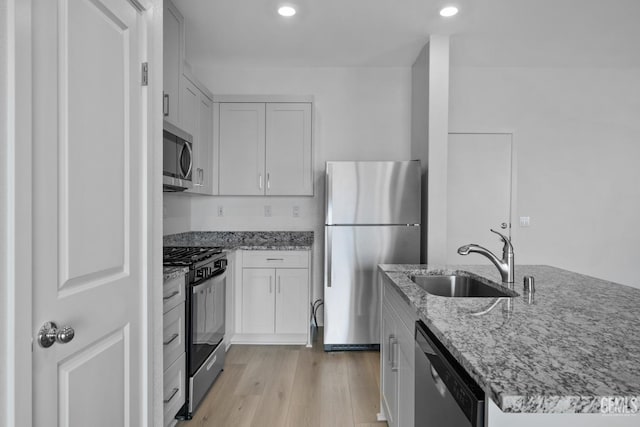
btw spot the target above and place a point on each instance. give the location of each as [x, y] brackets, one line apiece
[242, 130]
[292, 301]
[288, 149]
[205, 154]
[389, 377]
[406, 377]
[190, 114]
[173, 53]
[258, 304]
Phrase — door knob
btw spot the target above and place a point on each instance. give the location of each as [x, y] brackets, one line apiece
[49, 334]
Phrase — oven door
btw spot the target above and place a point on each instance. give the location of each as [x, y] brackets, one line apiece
[207, 317]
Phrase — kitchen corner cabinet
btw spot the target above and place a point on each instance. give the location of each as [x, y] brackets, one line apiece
[273, 298]
[397, 358]
[197, 119]
[173, 56]
[265, 149]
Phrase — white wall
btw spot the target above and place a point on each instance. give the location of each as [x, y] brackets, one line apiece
[176, 213]
[577, 141]
[420, 135]
[4, 285]
[359, 114]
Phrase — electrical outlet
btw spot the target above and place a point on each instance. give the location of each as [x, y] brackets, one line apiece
[267, 210]
[525, 221]
[220, 211]
[296, 211]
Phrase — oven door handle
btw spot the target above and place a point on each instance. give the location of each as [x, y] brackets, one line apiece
[218, 276]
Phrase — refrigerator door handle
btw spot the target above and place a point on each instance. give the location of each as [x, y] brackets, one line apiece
[328, 255]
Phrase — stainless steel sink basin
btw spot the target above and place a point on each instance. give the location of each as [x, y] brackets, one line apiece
[455, 285]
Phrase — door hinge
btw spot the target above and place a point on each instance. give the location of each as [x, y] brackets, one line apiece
[145, 74]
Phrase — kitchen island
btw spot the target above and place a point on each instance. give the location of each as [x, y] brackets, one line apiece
[573, 349]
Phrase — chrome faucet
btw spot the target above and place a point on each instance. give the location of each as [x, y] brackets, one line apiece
[504, 265]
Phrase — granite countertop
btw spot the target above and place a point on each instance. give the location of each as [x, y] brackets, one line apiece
[245, 240]
[578, 342]
[173, 272]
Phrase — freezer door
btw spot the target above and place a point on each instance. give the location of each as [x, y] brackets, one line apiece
[372, 193]
[351, 294]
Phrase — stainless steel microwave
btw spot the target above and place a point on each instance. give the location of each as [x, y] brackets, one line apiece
[177, 159]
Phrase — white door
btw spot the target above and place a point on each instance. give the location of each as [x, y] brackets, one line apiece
[478, 193]
[288, 149]
[89, 265]
[242, 131]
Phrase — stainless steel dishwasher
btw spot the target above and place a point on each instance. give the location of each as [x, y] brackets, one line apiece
[446, 396]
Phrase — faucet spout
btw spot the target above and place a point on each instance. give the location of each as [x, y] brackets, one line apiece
[464, 250]
[505, 265]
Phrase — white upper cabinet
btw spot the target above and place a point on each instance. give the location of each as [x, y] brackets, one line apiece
[187, 103]
[173, 52]
[205, 154]
[189, 109]
[197, 118]
[265, 149]
[242, 131]
[288, 149]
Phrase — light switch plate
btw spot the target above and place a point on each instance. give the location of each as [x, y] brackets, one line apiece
[220, 211]
[525, 221]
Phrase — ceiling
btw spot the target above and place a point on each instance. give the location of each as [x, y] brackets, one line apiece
[387, 33]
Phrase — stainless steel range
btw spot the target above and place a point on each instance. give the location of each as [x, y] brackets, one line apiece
[205, 313]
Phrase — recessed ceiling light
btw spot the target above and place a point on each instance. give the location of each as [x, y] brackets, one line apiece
[286, 11]
[448, 11]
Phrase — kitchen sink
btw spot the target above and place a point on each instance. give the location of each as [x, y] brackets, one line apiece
[456, 285]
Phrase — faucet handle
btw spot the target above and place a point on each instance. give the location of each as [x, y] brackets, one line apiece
[505, 239]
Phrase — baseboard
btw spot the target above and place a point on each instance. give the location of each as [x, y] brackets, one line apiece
[271, 339]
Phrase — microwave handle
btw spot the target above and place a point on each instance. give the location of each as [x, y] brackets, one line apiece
[165, 104]
[186, 174]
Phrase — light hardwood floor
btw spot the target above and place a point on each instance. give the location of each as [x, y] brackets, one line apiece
[293, 386]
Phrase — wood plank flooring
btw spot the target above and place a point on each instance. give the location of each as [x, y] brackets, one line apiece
[293, 386]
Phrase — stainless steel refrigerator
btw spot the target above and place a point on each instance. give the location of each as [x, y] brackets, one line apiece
[372, 216]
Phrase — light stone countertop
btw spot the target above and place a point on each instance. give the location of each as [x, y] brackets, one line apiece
[170, 273]
[577, 343]
[244, 240]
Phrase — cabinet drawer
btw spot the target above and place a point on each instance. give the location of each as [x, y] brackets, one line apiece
[173, 393]
[173, 342]
[403, 309]
[173, 293]
[275, 259]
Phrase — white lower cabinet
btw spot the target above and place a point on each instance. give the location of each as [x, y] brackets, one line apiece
[388, 373]
[273, 303]
[173, 394]
[173, 344]
[397, 359]
[258, 301]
